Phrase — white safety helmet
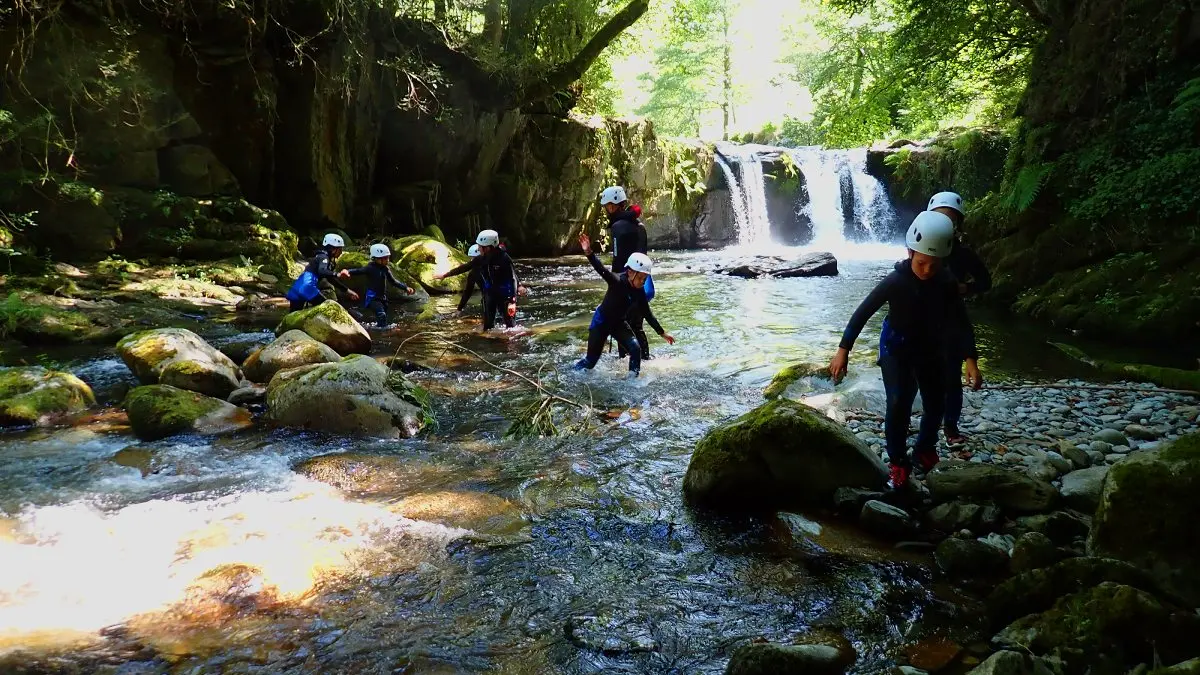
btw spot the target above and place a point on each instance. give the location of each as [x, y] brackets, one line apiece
[639, 262]
[473, 251]
[488, 238]
[380, 251]
[613, 195]
[950, 200]
[334, 240]
[931, 233]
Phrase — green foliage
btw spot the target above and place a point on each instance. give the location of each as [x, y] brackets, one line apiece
[15, 312]
[1026, 186]
[967, 161]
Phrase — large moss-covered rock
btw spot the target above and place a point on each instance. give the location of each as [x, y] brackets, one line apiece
[1037, 590]
[1011, 489]
[291, 350]
[1148, 513]
[329, 323]
[779, 455]
[157, 411]
[179, 358]
[35, 395]
[356, 395]
[1107, 628]
[420, 257]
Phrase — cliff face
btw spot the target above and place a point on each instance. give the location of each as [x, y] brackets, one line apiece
[133, 132]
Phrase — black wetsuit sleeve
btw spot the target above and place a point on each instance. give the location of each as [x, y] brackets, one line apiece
[325, 271]
[651, 319]
[465, 267]
[603, 271]
[958, 315]
[866, 309]
[357, 271]
[391, 279]
[981, 280]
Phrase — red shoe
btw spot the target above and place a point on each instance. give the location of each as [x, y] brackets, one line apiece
[898, 476]
[926, 460]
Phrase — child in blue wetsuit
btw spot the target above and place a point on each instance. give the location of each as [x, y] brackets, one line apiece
[305, 291]
[626, 293]
[378, 275]
[925, 311]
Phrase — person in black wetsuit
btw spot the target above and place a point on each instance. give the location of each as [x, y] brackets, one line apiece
[628, 236]
[472, 280]
[379, 275]
[625, 294]
[924, 310]
[497, 279]
[973, 278]
[306, 291]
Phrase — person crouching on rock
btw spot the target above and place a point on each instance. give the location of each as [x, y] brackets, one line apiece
[305, 291]
[378, 275]
[497, 279]
[626, 294]
[924, 311]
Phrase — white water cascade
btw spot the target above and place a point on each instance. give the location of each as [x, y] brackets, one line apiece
[749, 195]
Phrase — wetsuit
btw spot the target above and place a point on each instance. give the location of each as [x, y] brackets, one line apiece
[497, 281]
[922, 316]
[612, 318]
[378, 277]
[967, 269]
[305, 291]
[629, 237]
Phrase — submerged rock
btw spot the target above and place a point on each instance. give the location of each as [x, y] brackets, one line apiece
[328, 323]
[772, 659]
[784, 378]
[158, 410]
[179, 358]
[1148, 514]
[779, 455]
[35, 396]
[356, 395]
[373, 475]
[476, 511]
[1010, 489]
[291, 350]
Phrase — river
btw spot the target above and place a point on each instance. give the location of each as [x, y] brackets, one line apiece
[599, 568]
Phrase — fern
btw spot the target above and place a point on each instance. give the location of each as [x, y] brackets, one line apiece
[1027, 185]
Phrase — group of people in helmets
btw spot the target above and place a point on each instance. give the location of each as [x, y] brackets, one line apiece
[926, 336]
[925, 340]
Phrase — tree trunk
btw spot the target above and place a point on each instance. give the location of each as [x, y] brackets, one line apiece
[493, 23]
[727, 81]
[439, 12]
[859, 66]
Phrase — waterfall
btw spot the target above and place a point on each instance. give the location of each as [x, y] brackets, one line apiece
[748, 195]
[836, 179]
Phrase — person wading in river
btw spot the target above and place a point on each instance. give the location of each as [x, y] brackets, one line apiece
[629, 237]
[305, 291]
[472, 280]
[378, 275]
[625, 293]
[497, 279]
[973, 278]
[924, 309]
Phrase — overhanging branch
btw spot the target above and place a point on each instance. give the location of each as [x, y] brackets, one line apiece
[1035, 11]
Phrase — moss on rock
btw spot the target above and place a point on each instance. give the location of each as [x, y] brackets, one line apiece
[35, 396]
[158, 411]
[1011, 489]
[778, 455]
[784, 378]
[329, 323]
[292, 349]
[180, 358]
[421, 257]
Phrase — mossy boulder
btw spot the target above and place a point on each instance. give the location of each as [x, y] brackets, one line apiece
[36, 396]
[782, 454]
[1148, 513]
[329, 323]
[1011, 489]
[420, 257]
[1106, 629]
[784, 378]
[179, 358]
[476, 511]
[158, 411]
[291, 350]
[434, 232]
[357, 396]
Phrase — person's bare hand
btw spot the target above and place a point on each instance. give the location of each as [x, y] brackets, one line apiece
[839, 365]
[669, 338]
[585, 243]
[344, 274]
[353, 296]
[410, 290]
[974, 376]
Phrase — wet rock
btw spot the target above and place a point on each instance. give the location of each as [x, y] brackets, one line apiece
[1079, 459]
[851, 500]
[142, 459]
[158, 410]
[1061, 464]
[1110, 436]
[933, 655]
[476, 511]
[1148, 513]
[1037, 590]
[1033, 550]
[817, 264]
[1063, 528]
[356, 395]
[373, 475]
[239, 350]
[329, 323]
[784, 378]
[962, 558]
[248, 395]
[953, 516]
[36, 396]
[772, 659]
[1107, 628]
[1141, 433]
[745, 272]
[886, 520]
[1012, 663]
[1010, 489]
[1081, 489]
[291, 350]
[779, 455]
[179, 358]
